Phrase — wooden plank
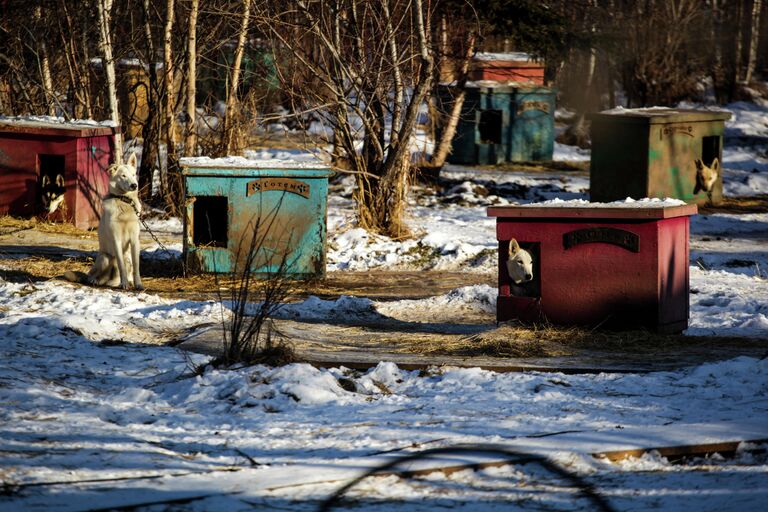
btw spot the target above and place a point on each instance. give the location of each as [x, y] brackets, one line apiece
[677, 452]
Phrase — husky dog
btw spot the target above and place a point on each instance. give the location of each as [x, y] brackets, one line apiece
[706, 176]
[118, 256]
[519, 263]
[52, 192]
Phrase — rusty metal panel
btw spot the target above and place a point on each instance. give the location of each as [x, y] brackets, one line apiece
[652, 153]
[281, 213]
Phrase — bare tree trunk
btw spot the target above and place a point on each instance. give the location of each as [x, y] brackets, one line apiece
[737, 51]
[452, 122]
[169, 86]
[231, 116]
[191, 139]
[45, 68]
[753, 40]
[151, 130]
[105, 42]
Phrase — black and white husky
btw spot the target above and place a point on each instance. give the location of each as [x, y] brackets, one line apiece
[51, 192]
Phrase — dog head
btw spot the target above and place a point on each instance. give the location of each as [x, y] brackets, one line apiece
[706, 176]
[52, 192]
[122, 177]
[519, 263]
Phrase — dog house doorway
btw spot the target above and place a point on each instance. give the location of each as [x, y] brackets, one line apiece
[210, 221]
[710, 149]
[489, 126]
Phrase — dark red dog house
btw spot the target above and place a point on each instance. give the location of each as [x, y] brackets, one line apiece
[31, 149]
[620, 267]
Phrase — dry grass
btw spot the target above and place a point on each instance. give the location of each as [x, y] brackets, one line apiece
[9, 225]
[517, 340]
[753, 204]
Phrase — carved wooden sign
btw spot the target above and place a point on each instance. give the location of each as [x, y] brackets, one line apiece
[614, 236]
[672, 130]
[285, 184]
[525, 106]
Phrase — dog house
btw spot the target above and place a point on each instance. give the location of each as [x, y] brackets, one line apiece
[621, 265]
[274, 210]
[78, 152]
[507, 67]
[503, 122]
[652, 153]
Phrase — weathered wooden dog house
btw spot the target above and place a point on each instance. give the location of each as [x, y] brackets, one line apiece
[502, 122]
[652, 153]
[79, 152]
[279, 205]
[619, 265]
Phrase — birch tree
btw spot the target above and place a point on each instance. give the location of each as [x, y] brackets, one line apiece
[230, 119]
[190, 143]
[104, 9]
[754, 37]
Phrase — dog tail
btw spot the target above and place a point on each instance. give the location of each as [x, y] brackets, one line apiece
[75, 277]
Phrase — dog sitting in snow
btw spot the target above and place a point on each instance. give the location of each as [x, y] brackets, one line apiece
[519, 268]
[51, 192]
[706, 176]
[118, 258]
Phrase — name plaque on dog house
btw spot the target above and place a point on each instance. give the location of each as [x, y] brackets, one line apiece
[285, 184]
[621, 265]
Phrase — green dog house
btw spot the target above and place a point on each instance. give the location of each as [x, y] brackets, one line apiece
[652, 153]
[503, 122]
[280, 204]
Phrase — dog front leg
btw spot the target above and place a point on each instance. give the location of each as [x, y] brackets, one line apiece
[120, 258]
[135, 255]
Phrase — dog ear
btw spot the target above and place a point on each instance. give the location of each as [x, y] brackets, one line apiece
[112, 169]
[60, 180]
[699, 164]
[45, 181]
[514, 248]
[132, 160]
[715, 165]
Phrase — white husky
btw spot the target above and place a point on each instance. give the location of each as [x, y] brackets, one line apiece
[118, 256]
[519, 265]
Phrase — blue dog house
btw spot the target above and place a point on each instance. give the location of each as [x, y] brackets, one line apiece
[275, 207]
[503, 122]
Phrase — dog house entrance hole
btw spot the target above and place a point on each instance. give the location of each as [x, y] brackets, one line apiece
[210, 221]
[710, 149]
[51, 166]
[489, 126]
[532, 288]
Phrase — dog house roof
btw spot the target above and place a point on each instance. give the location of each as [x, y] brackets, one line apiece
[658, 115]
[628, 209]
[56, 126]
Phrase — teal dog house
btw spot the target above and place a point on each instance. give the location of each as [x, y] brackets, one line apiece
[503, 122]
[273, 209]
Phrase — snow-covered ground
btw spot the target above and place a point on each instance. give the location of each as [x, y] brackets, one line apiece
[98, 414]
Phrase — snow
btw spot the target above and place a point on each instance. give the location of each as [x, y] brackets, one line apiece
[99, 411]
[52, 121]
[276, 161]
[628, 203]
[507, 56]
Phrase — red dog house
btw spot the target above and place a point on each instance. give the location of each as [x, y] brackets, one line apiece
[32, 149]
[507, 67]
[619, 265]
